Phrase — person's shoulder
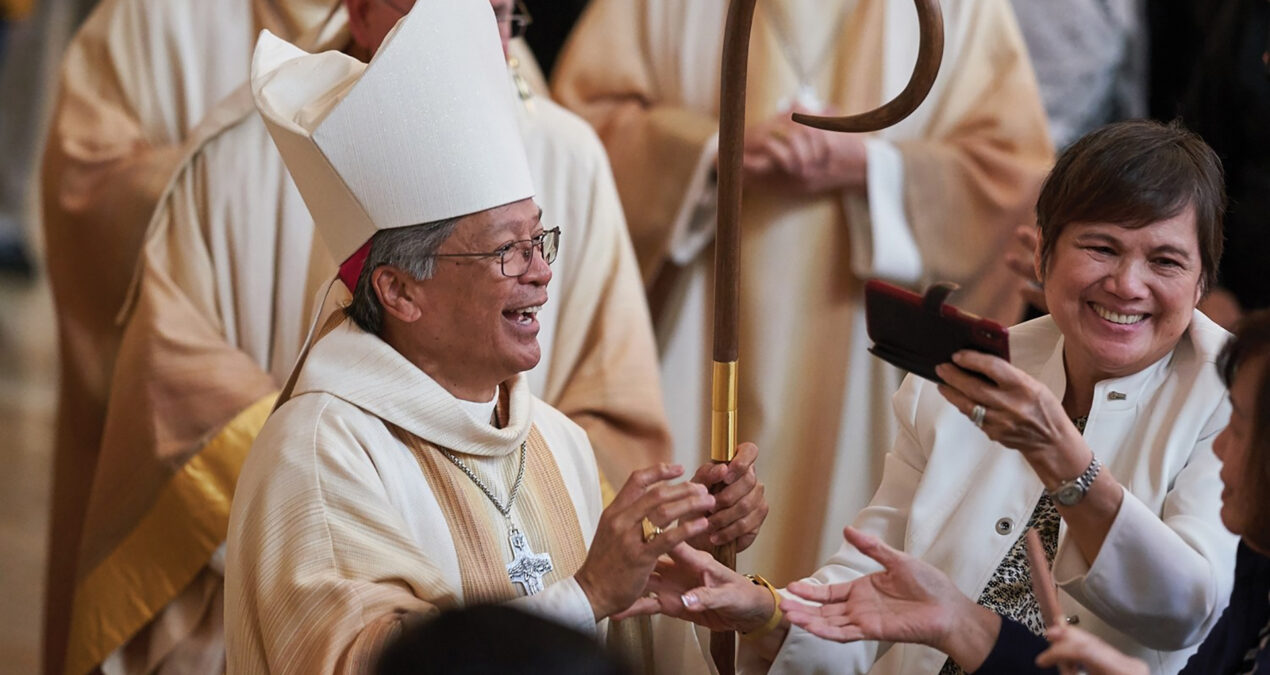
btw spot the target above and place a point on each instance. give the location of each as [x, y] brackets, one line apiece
[556, 426]
[1206, 338]
[564, 133]
[308, 430]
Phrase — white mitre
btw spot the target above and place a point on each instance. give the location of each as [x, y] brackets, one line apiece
[426, 131]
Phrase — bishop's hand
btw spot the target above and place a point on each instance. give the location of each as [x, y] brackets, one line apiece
[621, 557]
[740, 506]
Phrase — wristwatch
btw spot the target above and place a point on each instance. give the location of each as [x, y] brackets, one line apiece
[1073, 491]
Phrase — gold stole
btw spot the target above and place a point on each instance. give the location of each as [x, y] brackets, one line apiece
[543, 512]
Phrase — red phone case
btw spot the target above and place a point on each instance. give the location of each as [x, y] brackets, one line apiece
[918, 332]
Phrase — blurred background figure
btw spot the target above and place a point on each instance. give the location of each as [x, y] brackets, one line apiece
[936, 197]
[1090, 58]
[32, 36]
[495, 639]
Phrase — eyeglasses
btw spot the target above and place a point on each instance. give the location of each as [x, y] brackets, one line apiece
[519, 19]
[515, 257]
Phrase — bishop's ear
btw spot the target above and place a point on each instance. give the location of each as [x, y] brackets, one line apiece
[398, 293]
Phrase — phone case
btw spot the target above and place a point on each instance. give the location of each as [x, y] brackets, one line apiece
[918, 332]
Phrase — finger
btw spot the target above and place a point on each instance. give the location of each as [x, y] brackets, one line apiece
[972, 388]
[710, 473]
[1027, 235]
[642, 479]
[781, 153]
[996, 368]
[819, 627]
[820, 593]
[665, 504]
[678, 534]
[804, 153]
[732, 495]
[744, 459]
[643, 607]
[873, 547]
[743, 518]
[1021, 266]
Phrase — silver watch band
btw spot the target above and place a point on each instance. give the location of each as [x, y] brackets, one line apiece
[1073, 491]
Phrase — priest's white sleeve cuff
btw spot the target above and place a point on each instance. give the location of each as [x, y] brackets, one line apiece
[882, 243]
[564, 603]
[693, 228]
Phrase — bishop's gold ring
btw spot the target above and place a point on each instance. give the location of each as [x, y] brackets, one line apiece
[650, 530]
[977, 414]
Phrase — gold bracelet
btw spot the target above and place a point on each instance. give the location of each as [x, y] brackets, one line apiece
[775, 619]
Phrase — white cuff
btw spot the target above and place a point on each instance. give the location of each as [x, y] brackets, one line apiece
[882, 243]
[564, 603]
[693, 228]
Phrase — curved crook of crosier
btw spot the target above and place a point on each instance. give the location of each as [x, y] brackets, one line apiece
[930, 53]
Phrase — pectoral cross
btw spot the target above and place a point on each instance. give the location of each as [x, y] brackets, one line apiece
[526, 568]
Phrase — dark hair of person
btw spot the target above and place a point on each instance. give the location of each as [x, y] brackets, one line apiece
[1251, 342]
[409, 249]
[1133, 174]
[495, 639]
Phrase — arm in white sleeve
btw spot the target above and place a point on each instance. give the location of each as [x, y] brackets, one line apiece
[1162, 579]
[882, 243]
[886, 517]
[564, 603]
[693, 227]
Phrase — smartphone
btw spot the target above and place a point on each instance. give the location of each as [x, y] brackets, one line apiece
[917, 333]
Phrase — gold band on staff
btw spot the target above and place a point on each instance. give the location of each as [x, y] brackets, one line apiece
[723, 411]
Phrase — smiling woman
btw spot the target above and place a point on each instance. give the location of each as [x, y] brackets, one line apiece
[1098, 434]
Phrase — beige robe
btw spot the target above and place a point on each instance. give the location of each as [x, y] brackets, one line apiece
[348, 520]
[945, 189]
[220, 297]
[129, 113]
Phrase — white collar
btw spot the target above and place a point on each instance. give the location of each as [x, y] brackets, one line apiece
[362, 369]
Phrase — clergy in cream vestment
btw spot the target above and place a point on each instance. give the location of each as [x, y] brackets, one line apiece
[407, 467]
[220, 296]
[943, 192]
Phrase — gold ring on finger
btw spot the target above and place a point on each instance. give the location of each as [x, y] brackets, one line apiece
[650, 530]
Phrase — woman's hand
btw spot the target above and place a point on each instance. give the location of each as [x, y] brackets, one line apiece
[1019, 413]
[909, 601]
[693, 586]
[1072, 646]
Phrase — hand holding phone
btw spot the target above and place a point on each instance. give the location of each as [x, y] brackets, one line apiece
[918, 332]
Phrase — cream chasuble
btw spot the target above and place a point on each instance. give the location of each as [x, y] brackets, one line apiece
[348, 518]
[162, 399]
[946, 187]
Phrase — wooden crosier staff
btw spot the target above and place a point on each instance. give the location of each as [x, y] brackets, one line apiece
[727, 245]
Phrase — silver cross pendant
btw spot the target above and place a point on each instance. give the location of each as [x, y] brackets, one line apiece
[526, 568]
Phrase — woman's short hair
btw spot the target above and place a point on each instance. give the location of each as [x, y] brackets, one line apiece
[410, 249]
[1134, 174]
[1251, 342]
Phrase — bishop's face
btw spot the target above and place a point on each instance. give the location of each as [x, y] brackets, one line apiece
[479, 327]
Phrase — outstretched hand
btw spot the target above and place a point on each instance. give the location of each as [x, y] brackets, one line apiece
[908, 601]
[693, 586]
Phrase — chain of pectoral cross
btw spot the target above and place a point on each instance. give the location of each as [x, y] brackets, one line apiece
[526, 567]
